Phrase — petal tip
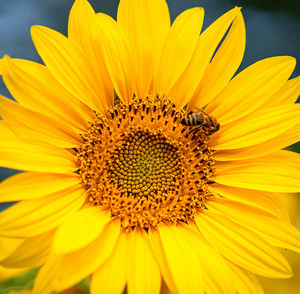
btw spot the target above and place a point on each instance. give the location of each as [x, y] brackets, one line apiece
[199, 10]
[38, 29]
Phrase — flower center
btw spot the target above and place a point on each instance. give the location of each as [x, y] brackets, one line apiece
[142, 164]
[146, 163]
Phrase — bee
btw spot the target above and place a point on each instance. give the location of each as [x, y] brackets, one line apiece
[201, 120]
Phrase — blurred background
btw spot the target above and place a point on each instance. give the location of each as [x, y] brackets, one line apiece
[272, 27]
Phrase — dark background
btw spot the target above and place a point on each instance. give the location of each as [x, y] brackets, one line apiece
[272, 27]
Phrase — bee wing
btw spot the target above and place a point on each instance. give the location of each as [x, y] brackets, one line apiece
[194, 109]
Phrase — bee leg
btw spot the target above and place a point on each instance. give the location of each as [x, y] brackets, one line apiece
[193, 131]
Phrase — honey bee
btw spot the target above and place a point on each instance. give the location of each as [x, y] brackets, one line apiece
[201, 120]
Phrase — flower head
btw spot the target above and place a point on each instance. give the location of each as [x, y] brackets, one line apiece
[148, 165]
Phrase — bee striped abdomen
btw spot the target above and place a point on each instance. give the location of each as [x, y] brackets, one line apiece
[193, 119]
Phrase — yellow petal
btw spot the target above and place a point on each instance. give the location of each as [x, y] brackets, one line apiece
[34, 156]
[82, 30]
[143, 271]
[287, 157]
[258, 127]
[79, 230]
[179, 48]
[251, 88]
[244, 281]
[76, 266]
[261, 175]
[291, 159]
[67, 63]
[208, 41]
[48, 129]
[42, 282]
[214, 269]
[6, 273]
[242, 246]
[104, 279]
[224, 64]
[279, 142]
[31, 253]
[79, 30]
[32, 185]
[5, 131]
[116, 54]
[277, 232]
[19, 130]
[8, 246]
[32, 85]
[183, 262]
[146, 24]
[158, 251]
[263, 200]
[33, 217]
[288, 93]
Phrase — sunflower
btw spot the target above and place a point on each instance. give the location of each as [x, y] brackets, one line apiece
[70, 291]
[148, 165]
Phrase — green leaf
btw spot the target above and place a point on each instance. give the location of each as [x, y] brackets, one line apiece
[23, 281]
[84, 285]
